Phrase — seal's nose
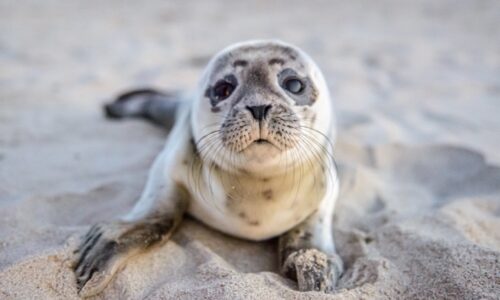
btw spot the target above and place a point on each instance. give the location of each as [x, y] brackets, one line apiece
[259, 112]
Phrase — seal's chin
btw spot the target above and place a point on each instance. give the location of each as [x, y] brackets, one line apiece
[261, 151]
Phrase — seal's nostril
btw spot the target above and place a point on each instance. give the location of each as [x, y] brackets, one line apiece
[259, 112]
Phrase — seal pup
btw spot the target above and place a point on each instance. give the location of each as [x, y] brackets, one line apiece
[249, 154]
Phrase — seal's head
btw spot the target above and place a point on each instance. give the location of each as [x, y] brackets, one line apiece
[262, 106]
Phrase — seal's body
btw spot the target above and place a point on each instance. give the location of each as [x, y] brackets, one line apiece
[250, 154]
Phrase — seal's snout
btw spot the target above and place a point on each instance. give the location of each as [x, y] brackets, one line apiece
[259, 112]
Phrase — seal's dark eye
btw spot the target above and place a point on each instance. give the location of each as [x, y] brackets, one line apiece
[293, 85]
[222, 90]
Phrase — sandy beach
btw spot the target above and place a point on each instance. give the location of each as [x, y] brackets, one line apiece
[416, 85]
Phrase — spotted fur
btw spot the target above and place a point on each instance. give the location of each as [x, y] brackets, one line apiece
[256, 164]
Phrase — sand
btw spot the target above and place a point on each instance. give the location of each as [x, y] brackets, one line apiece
[417, 90]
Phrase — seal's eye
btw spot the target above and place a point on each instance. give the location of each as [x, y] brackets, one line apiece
[222, 90]
[293, 85]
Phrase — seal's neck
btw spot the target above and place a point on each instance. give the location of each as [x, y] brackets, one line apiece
[307, 181]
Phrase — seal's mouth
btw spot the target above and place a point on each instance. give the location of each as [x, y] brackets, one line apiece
[261, 141]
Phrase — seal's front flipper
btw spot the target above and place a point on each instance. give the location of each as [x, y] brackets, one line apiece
[106, 248]
[153, 105]
[307, 254]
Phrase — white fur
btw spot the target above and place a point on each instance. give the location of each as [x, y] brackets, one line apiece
[290, 183]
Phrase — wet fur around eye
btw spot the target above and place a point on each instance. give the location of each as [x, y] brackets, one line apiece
[221, 90]
[306, 95]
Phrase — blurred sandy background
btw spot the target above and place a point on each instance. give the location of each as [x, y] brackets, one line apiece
[417, 89]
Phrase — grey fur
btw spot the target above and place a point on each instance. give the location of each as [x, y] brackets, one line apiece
[258, 72]
[150, 104]
[109, 244]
